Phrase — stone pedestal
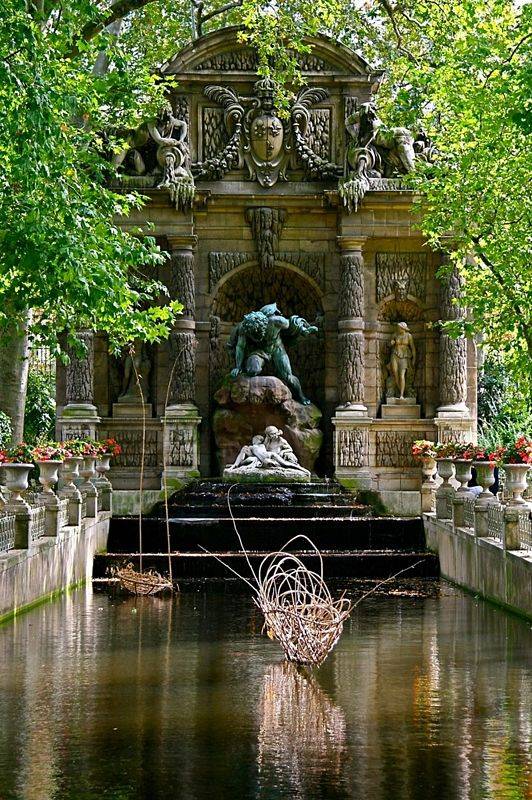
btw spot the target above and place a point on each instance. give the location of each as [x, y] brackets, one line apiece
[180, 445]
[351, 449]
[22, 512]
[125, 409]
[401, 408]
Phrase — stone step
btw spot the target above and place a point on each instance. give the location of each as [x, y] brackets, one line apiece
[198, 565]
[260, 533]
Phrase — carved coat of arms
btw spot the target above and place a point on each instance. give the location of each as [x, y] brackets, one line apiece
[261, 139]
[265, 150]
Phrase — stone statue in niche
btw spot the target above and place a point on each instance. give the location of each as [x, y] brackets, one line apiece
[269, 457]
[401, 366]
[259, 341]
[136, 362]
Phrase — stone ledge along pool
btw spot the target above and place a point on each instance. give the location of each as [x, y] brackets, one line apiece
[427, 695]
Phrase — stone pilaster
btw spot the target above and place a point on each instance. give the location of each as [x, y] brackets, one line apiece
[351, 422]
[181, 420]
[79, 417]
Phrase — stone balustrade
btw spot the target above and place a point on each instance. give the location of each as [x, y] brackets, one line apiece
[24, 526]
[484, 543]
[47, 543]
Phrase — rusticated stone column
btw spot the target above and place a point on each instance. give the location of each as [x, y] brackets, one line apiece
[80, 416]
[351, 421]
[180, 447]
[453, 352]
[351, 343]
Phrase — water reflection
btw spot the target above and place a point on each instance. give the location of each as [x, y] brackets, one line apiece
[184, 699]
[302, 741]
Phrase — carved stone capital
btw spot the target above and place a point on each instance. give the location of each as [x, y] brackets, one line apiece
[351, 243]
[181, 242]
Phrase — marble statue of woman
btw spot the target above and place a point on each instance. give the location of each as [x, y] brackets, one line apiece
[403, 359]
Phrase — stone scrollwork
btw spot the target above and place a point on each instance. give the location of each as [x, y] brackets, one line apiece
[315, 165]
[216, 167]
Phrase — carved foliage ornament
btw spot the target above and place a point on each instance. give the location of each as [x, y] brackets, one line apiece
[353, 448]
[351, 368]
[260, 139]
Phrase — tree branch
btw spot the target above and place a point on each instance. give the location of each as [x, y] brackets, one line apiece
[118, 10]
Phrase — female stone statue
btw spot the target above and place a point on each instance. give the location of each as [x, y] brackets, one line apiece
[403, 358]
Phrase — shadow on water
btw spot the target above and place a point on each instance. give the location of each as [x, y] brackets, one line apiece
[426, 696]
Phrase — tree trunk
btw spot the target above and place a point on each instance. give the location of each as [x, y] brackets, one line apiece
[14, 365]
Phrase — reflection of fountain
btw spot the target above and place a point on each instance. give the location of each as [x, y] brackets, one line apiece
[302, 737]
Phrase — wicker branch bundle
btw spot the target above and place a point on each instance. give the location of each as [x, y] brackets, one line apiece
[142, 583]
[298, 608]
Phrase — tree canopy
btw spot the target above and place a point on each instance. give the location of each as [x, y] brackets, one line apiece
[461, 70]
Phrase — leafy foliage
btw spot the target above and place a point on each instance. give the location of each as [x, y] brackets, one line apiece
[39, 415]
[5, 429]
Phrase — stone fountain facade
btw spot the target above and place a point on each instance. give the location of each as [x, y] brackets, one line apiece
[305, 211]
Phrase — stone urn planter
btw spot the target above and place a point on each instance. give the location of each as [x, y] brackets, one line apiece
[17, 476]
[463, 473]
[428, 468]
[516, 482]
[48, 475]
[445, 492]
[69, 473]
[485, 478]
[103, 465]
[87, 471]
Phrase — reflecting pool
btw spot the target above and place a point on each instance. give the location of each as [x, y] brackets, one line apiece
[426, 696]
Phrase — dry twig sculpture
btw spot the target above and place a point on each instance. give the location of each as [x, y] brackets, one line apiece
[298, 608]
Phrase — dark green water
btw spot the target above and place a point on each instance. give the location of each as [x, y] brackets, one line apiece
[424, 697]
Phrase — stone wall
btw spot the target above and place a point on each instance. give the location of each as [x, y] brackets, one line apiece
[50, 564]
[482, 565]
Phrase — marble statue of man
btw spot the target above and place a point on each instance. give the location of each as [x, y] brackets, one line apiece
[260, 340]
[403, 358]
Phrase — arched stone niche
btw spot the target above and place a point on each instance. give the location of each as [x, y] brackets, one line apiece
[249, 288]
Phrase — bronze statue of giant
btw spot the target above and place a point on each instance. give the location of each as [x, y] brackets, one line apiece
[260, 341]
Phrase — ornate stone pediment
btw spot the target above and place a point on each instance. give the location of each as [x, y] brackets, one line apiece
[255, 135]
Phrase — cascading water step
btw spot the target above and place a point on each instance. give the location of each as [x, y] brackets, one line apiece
[354, 543]
[371, 563]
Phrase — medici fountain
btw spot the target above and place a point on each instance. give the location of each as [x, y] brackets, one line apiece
[310, 297]
[280, 413]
